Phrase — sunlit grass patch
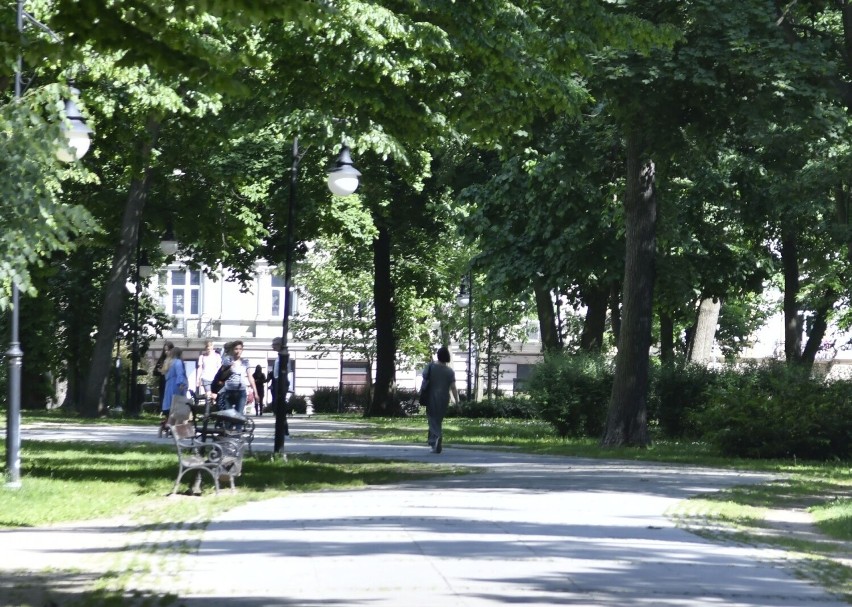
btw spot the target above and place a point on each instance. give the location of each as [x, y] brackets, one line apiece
[76, 481]
[834, 518]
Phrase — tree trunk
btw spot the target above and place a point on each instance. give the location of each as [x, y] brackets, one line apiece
[666, 337]
[615, 310]
[116, 292]
[490, 384]
[792, 318]
[818, 327]
[627, 419]
[596, 300]
[385, 323]
[701, 343]
[546, 316]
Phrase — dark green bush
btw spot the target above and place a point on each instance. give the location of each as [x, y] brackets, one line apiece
[776, 411]
[404, 396]
[354, 398]
[677, 393]
[324, 400]
[507, 407]
[571, 392]
[297, 404]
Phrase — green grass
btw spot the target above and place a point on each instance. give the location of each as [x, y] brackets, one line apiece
[59, 479]
[834, 518]
[64, 416]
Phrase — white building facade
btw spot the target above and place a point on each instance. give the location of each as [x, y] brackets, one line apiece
[204, 309]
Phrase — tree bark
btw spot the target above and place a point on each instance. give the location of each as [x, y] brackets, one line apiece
[385, 323]
[596, 300]
[615, 310]
[116, 293]
[818, 327]
[792, 318]
[627, 418]
[546, 316]
[666, 337]
[701, 344]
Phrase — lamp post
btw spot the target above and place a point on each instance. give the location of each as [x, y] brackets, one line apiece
[116, 406]
[342, 181]
[465, 300]
[143, 270]
[77, 139]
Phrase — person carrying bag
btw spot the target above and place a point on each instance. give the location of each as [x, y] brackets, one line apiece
[439, 383]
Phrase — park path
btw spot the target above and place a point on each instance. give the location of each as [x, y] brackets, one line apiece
[529, 530]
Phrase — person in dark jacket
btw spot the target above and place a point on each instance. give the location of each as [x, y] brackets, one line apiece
[260, 382]
[442, 385]
[160, 372]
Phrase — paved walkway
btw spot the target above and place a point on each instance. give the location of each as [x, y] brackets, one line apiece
[530, 530]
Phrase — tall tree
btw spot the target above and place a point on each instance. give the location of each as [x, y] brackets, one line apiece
[700, 83]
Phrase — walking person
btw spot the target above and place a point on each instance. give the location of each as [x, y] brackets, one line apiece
[259, 381]
[208, 363]
[442, 385]
[176, 383]
[239, 381]
[160, 372]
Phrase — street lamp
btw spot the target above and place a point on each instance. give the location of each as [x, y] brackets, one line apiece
[342, 181]
[75, 141]
[465, 300]
[143, 270]
[169, 244]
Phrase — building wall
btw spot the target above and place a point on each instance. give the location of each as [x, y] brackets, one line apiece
[224, 314]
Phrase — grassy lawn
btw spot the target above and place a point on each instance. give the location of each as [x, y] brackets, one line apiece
[59, 480]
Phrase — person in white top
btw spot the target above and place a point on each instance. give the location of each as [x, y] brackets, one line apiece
[239, 381]
[208, 363]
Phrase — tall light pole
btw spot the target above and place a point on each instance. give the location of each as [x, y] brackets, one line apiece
[342, 181]
[465, 300]
[143, 270]
[77, 142]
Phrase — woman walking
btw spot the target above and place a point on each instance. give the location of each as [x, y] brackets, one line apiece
[176, 383]
[442, 384]
[260, 382]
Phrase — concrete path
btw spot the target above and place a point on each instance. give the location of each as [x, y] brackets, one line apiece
[529, 530]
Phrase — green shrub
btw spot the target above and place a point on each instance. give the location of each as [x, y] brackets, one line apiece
[505, 407]
[677, 393]
[297, 404]
[354, 398]
[324, 400]
[403, 396]
[571, 392]
[776, 411]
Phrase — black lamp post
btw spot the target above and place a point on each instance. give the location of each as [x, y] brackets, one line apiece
[465, 300]
[116, 405]
[77, 144]
[342, 181]
[143, 270]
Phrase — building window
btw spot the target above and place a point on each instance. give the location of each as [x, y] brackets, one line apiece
[354, 373]
[182, 297]
[523, 374]
[278, 298]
